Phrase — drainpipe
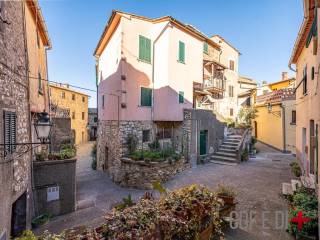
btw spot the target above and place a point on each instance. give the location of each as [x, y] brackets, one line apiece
[153, 51]
[283, 127]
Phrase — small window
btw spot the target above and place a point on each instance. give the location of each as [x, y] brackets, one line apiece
[231, 93]
[146, 135]
[144, 49]
[82, 116]
[53, 193]
[10, 131]
[73, 115]
[63, 95]
[294, 117]
[231, 65]
[83, 99]
[312, 73]
[205, 47]
[305, 80]
[231, 112]
[73, 97]
[95, 119]
[181, 52]
[181, 97]
[39, 82]
[146, 97]
[102, 101]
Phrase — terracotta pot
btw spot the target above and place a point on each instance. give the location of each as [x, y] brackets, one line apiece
[227, 199]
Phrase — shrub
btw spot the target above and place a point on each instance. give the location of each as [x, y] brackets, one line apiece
[244, 155]
[295, 169]
[155, 145]
[227, 191]
[41, 156]
[157, 156]
[126, 202]
[40, 220]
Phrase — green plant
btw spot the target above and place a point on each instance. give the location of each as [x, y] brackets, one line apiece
[244, 155]
[227, 191]
[41, 156]
[304, 200]
[295, 169]
[40, 220]
[27, 235]
[94, 156]
[132, 142]
[155, 145]
[158, 187]
[126, 202]
[247, 114]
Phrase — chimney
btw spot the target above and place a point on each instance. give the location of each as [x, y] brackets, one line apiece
[284, 76]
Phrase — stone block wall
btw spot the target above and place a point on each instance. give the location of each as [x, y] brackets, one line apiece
[15, 169]
[61, 132]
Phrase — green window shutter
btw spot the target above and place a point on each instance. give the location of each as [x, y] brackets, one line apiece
[144, 48]
[205, 47]
[181, 52]
[146, 97]
[181, 97]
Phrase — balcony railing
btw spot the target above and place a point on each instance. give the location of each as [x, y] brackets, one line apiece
[213, 84]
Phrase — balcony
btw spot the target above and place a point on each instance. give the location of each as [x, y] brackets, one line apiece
[213, 85]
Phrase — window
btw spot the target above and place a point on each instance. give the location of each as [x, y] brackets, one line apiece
[82, 116]
[53, 193]
[144, 49]
[73, 97]
[312, 73]
[205, 47]
[231, 65]
[102, 101]
[95, 119]
[305, 80]
[83, 99]
[39, 82]
[231, 112]
[293, 117]
[73, 115]
[181, 97]
[10, 131]
[231, 94]
[181, 52]
[146, 135]
[63, 95]
[146, 97]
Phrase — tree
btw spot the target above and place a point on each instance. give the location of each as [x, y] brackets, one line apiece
[247, 114]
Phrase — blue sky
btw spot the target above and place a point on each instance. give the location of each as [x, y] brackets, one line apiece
[264, 31]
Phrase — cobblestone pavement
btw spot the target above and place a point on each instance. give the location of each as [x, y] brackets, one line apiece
[257, 182]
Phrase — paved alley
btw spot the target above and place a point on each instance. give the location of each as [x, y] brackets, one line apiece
[257, 182]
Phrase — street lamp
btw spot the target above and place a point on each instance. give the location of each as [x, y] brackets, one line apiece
[43, 127]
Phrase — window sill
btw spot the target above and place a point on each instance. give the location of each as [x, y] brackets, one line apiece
[144, 106]
[181, 62]
[293, 123]
[144, 61]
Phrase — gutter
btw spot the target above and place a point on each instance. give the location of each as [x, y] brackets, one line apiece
[283, 127]
[153, 51]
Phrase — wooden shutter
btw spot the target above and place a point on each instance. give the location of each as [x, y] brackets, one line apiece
[146, 97]
[10, 131]
[181, 97]
[205, 47]
[181, 52]
[144, 48]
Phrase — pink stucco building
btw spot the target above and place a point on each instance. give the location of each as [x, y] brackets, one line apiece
[148, 72]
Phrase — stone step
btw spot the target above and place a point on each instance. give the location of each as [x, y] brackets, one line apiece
[235, 136]
[229, 150]
[227, 147]
[231, 143]
[232, 140]
[223, 162]
[225, 153]
[222, 158]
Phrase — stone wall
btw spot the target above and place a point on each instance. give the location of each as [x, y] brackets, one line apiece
[15, 170]
[141, 174]
[55, 173]
[61, 132]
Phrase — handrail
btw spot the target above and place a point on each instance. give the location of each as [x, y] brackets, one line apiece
[240, 145]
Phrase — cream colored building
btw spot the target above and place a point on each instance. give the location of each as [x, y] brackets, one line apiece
[306, 60]
[246, 86]
[77, 104]
[229, 57]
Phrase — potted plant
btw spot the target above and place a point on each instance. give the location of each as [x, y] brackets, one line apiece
[226, 193]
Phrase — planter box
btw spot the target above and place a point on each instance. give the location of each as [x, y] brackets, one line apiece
[227, 200]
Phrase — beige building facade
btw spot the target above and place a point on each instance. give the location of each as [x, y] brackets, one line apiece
[306, 60]
[77, 104]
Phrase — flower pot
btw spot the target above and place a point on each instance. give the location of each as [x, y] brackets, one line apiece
[227, 199]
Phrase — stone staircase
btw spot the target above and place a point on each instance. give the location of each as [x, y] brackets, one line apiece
[227, 152]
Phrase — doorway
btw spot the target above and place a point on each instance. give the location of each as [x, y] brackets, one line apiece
[303, 149]
[106, 159]
[256, 129]
[19, 216]
[203, 142]
[312, 147]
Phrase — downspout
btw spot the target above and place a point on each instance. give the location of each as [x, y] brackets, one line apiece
[153, 51]
[283, 127]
